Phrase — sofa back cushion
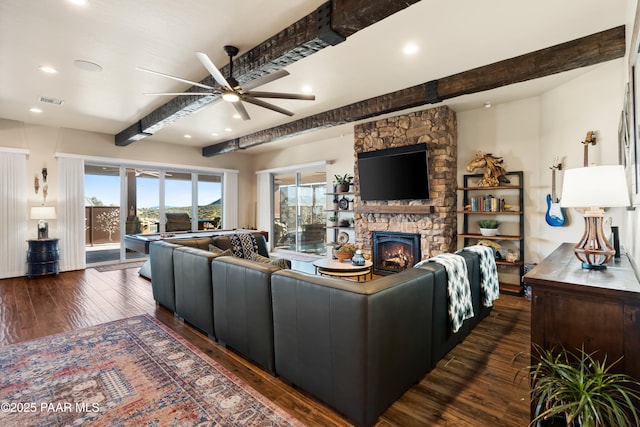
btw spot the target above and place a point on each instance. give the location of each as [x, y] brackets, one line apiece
[194, 242]
[358, 346]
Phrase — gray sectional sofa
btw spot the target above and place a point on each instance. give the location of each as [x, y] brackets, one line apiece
[357, 346]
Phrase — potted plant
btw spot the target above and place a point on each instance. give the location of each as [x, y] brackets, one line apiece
[344, 251]
[488, 227]
[343, 182]
[576, 389]
[333, 221]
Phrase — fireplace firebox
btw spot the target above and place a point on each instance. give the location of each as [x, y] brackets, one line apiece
[394, 251]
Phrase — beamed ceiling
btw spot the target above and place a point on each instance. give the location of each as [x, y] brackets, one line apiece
[347, 51]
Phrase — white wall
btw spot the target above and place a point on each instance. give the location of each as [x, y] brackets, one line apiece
[44, 141]
[529, 133]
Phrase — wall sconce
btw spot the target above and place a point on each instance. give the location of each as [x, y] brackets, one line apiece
[42, 213]
[594, 187]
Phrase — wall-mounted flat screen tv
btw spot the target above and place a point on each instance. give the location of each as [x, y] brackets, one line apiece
[398, 173]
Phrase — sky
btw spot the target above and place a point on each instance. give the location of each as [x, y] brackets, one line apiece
[178, 193]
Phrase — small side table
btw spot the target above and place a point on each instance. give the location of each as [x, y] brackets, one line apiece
[335, 268]
[42, 257]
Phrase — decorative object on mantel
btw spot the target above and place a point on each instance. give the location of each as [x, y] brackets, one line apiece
[44, 174]
[488, 227]
[595, 187]
[343, 182]
[495, 173]
[36, 183]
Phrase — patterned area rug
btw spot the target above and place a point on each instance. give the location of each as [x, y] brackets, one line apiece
[131, 372]
[120, 266]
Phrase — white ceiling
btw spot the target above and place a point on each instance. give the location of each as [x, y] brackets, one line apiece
[162, 35]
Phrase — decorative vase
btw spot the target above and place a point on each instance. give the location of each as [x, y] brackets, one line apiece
[489, 231]
[357, 258]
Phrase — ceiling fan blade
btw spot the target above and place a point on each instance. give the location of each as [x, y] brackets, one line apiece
[241, 110]
[213, 70]
[266, 105]
[280, 95]
[174, 78]
[262, 80]
[182, 93]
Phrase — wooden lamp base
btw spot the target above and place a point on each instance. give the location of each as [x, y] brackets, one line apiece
[594, 250]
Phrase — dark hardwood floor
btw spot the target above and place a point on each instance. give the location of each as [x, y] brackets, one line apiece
[472, 386]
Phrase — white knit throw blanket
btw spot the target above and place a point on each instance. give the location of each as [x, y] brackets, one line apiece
[489, 284]
[458, 288]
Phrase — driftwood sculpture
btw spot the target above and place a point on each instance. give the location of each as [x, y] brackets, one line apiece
[494, 175]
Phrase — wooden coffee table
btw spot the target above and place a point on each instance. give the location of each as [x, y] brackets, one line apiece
[335, 268]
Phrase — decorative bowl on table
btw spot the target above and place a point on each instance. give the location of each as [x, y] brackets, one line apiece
[344, 251]
[342, 255]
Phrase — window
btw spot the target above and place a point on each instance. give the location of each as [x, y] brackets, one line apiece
[147, 195]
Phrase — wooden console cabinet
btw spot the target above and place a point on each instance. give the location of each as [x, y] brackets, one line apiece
[572, 306]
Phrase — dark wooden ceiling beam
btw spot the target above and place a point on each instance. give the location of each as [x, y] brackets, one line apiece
[329, 25]
[583, 52]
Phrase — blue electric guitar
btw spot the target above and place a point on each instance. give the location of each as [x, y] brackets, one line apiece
[555, 214]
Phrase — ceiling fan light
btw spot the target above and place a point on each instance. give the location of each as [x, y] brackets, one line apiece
[230, 97]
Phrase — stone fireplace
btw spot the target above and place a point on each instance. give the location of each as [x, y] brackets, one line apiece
[394, 252]
[433, 220]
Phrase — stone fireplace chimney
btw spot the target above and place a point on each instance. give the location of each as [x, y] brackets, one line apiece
[435, 219]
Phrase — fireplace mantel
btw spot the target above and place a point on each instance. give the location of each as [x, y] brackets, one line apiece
[395, 209]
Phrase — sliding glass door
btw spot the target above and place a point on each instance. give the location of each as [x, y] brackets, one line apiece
[129, 201]
[102, 213]
[299, 200]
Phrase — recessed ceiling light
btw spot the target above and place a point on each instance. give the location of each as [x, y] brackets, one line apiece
[35, 110]
[307, 89]
[236, 116]
[214, 134]
[187, 136]
[47, 69]
[410, 49]
[78, 2]
[87, 65]
[228, 129]
[487, 104]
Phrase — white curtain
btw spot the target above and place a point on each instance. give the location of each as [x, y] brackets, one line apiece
[264, 217]
[70, 212]
[230, 200]
[13, 213]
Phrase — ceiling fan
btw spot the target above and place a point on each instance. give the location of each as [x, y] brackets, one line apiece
[232, 91]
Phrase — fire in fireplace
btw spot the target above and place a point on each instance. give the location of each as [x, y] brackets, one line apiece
[394, 251]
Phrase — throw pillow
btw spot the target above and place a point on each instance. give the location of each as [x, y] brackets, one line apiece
[243, 245]
[281, 263]
[216, 251]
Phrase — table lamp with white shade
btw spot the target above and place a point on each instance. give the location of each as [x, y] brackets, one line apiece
[43, 213]
[594, 188]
